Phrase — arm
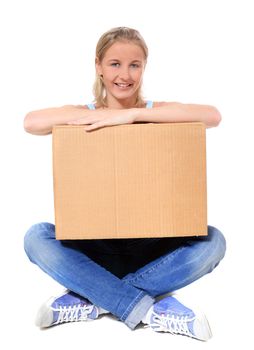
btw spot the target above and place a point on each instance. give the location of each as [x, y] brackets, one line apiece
[162, 112]
[166, 112]
[40, 122]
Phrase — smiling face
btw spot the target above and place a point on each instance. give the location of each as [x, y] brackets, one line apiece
[122, 68]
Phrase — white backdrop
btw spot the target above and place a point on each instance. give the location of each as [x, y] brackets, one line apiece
[201, 51]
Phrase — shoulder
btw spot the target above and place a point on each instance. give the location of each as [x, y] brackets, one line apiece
[75, 106]
[165, 104]
[159, 104]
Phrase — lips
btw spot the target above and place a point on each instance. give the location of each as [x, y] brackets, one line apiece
[123, 86]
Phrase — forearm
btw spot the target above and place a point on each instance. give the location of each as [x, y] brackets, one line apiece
[178, 112]
[41, 122]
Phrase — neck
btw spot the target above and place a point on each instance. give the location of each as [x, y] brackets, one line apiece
[121, 104]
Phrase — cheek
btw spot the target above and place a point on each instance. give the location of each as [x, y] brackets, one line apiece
[109, 73]
[137, 75]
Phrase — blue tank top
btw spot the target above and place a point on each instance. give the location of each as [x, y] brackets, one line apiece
[149, 104]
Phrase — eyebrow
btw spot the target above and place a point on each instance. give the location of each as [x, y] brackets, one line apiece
[115, 59]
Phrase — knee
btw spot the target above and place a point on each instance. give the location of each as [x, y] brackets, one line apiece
[36, 235]
[219, 243]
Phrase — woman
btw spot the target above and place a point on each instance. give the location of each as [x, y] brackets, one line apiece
[123, 276]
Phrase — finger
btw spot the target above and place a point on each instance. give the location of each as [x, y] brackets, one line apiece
[94, 126]
[91, 127]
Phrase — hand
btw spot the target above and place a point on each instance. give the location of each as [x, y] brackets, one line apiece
[106, 117]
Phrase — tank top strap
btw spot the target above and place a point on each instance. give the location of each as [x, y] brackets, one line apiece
[91, 106]
[149, 104]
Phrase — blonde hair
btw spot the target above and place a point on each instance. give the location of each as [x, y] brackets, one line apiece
[105, 42]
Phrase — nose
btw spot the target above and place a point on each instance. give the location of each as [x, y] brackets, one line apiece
[124, 73]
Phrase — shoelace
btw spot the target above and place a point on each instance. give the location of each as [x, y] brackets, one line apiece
[172, 324]
[73, 313]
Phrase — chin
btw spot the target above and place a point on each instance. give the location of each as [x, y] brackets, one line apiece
[124, 95]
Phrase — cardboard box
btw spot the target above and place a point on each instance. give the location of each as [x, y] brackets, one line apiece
[130, 181]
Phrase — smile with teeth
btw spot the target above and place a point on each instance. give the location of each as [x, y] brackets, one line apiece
[122, 85]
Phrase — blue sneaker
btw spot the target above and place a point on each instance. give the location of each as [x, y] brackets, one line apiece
[68, 307]
[169, 315]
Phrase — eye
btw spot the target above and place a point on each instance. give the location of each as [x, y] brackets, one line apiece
[115, 64]
[135, 65]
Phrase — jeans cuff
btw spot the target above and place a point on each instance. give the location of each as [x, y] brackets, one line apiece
[139, 311]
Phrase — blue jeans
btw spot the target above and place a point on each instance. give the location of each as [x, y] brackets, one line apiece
[124, 276]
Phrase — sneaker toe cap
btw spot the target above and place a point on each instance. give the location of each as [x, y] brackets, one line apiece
[201, 328]
[44, 317]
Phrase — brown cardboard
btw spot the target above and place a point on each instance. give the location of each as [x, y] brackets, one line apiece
[132, 180]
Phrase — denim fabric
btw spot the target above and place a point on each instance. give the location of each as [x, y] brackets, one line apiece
[124, 276]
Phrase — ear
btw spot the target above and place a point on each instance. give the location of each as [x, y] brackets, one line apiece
[98, 66]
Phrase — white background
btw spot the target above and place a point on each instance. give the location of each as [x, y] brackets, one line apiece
[201, 51]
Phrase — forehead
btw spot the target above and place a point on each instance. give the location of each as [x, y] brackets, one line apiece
[124, 50]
